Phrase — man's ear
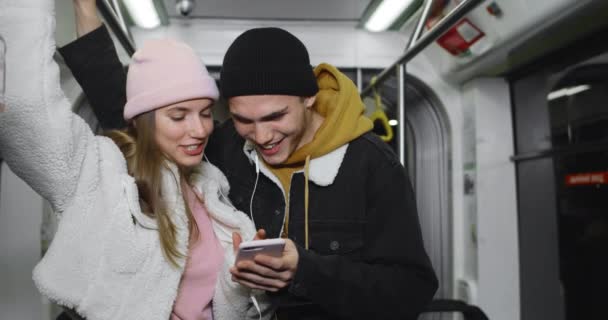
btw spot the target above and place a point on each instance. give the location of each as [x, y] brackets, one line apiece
[309, 101]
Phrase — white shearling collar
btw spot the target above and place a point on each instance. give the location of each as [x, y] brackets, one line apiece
[322, 171]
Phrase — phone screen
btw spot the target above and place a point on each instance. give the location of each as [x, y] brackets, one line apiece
[2, 72]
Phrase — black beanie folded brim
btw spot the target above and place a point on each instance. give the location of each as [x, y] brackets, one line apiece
[292, 83]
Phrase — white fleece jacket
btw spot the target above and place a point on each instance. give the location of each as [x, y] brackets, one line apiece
[105, 261]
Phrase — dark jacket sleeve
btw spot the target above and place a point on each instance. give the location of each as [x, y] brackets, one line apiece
[94, 63]
[394, 279]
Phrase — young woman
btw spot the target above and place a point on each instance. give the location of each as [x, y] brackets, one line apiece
[145, 228]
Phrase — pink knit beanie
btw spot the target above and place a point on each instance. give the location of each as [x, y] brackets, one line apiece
[164, 72]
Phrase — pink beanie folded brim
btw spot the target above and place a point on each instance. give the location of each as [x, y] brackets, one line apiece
[151, 100]
[164, 72]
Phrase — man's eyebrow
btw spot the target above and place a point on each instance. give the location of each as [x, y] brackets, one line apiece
[274, 115]
[241, 118]
[267, 117]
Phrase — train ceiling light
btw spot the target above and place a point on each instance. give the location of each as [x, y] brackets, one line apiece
[381, 15]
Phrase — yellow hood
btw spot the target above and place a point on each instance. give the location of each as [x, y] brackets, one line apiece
[338, 101]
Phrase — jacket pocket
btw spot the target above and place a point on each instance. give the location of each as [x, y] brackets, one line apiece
[336, 238]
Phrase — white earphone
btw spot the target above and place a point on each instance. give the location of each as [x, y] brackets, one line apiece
[255, 186]
[257, 164]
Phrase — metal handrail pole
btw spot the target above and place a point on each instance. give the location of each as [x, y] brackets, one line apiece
[439, 29]
[426, 11]
[401, 89]
[401, 113]
[121, 19]
[114, 23]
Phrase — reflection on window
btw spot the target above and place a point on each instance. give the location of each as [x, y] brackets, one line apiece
[578, 110]
[578, 106]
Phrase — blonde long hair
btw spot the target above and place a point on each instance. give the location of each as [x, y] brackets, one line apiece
[145, 161]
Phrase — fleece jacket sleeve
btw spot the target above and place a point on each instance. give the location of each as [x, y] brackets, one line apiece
[41, 140]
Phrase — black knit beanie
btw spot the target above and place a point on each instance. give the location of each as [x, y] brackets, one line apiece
[267, 61]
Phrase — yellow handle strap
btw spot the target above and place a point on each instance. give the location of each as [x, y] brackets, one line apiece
[380, 115]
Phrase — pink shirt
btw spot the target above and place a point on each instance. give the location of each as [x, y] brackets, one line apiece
[205, 257]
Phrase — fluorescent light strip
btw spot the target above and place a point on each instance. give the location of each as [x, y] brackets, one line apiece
[386, 13]
[568, 91]
[143, 13]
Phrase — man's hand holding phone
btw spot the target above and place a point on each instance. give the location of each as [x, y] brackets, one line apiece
[269, 270]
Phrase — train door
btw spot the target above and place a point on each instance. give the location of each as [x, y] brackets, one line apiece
[427, 161]
[561, 120]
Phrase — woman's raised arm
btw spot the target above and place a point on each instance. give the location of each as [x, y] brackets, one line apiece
[87, 19]
[40, 138]
[93, 60]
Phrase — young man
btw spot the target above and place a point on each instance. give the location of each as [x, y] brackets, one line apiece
[301, 160]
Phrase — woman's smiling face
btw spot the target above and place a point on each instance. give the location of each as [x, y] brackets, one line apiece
[182, 130]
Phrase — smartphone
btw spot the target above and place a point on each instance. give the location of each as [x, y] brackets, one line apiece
[269, 247]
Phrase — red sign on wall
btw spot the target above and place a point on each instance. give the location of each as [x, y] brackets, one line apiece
[580, 179]
[460, 37]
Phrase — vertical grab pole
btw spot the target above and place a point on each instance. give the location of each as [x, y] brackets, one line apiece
[401, 113]
[121, 19]
[2, 81]
[2, 72]
[401, 90]
[114, 23]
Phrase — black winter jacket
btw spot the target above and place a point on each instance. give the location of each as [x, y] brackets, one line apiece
[365, 260]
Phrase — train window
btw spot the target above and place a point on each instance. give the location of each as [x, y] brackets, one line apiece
[561, 121]
[577, 106]
[579, 118]
[579, 123]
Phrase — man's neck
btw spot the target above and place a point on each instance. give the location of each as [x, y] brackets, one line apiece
[314, 122]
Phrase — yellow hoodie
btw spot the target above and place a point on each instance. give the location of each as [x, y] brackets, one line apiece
[339, 103]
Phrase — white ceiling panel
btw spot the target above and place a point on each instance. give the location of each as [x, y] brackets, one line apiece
[308, 10]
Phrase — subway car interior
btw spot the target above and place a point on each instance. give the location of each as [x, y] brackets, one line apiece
[497, 109]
